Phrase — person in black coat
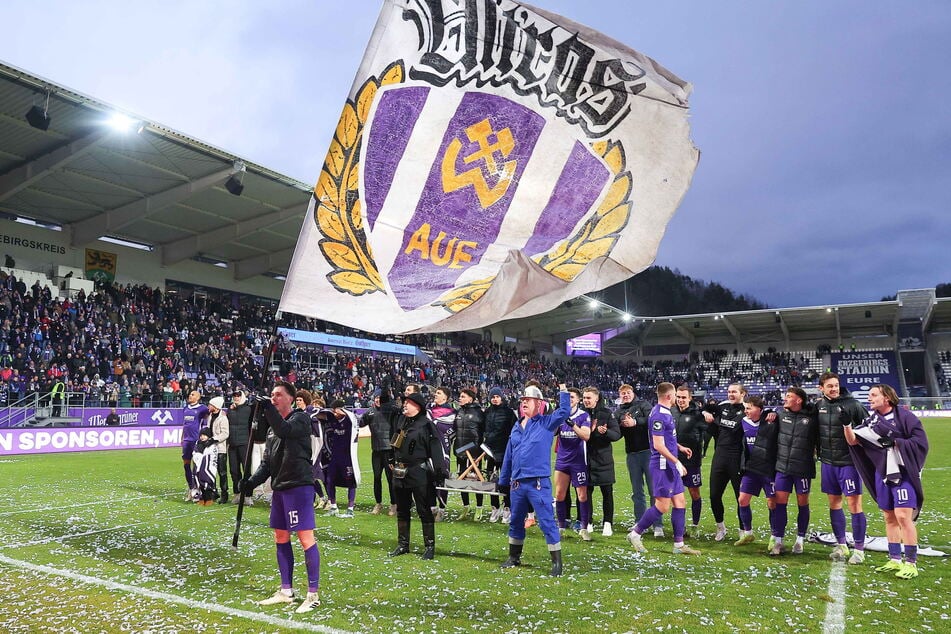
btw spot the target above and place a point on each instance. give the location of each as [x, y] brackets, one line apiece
[604, 431]
[499, 420]
[691, 429]
[381, 431]
[418, 465]
[239, 422]
[468, 428]
[287, 462]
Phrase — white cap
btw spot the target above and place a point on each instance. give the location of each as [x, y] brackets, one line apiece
[217, 402]
[532, 392]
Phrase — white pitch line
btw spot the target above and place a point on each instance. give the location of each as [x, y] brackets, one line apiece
[834, 622]
[72, 506]
[173, 598]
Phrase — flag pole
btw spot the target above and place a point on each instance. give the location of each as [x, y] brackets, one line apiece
[262, 384]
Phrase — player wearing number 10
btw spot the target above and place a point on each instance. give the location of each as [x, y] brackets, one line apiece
[287, 461]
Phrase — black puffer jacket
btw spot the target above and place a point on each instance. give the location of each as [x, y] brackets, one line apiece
[797, 442]
[832, 415]
[381, 428]
[599, 445]
[239, 420]
[690, 429]
[499, 420]
[469, 426]
[287, 451]
[762, 458]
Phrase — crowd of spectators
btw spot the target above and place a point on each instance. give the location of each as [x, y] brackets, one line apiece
[133, 345]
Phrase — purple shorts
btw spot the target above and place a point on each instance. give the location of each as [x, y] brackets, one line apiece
[693, 479]
[787, 483]
[577, 470]
[753, 483]
[841, 480]
[666, 482]
[895, 496]
[339, 474]
[188, 449]
[293, 509]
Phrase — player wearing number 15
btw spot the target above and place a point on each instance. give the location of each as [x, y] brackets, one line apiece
[287, 461]
[667, 474]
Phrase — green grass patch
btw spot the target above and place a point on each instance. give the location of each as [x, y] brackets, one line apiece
[102, 541]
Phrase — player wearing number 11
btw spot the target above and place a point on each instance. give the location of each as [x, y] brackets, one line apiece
[667, 474]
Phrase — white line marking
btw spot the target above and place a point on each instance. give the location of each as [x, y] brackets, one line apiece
[72, 506]
[172, 598]
[834, 622]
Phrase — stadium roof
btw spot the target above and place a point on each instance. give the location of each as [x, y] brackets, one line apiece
[97, 171]
[93, 174]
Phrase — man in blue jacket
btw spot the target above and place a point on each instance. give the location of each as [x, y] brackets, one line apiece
[527, 470]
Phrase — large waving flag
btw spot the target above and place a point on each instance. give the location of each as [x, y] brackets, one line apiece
[492, 160]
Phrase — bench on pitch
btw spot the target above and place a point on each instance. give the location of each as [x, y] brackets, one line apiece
[472, 479]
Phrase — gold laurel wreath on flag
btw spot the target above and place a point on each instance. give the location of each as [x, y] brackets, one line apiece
[596, 237]
[339, 209]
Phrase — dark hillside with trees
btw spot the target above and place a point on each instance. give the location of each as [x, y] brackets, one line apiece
[660, 290]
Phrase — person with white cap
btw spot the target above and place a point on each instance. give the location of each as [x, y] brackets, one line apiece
[220, 430]
[526, 468]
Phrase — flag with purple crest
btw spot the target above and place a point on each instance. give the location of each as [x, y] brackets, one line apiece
[492, 161]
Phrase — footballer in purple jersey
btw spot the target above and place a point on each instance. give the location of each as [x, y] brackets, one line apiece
[752, 482]
[889, 450]
[571, 464]
[194, 417]
[666, 473]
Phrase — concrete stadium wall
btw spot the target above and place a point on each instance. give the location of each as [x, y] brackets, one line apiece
[42, 249]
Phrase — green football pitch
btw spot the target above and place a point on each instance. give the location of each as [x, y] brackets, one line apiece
[103, 542]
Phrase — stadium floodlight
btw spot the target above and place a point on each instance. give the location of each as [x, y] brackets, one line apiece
[592, 304]
[626, 316]
[120, 122]
[39, 118]
[234, 184]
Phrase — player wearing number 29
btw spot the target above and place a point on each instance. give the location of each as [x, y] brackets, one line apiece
[287, 461]
[667, 474]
